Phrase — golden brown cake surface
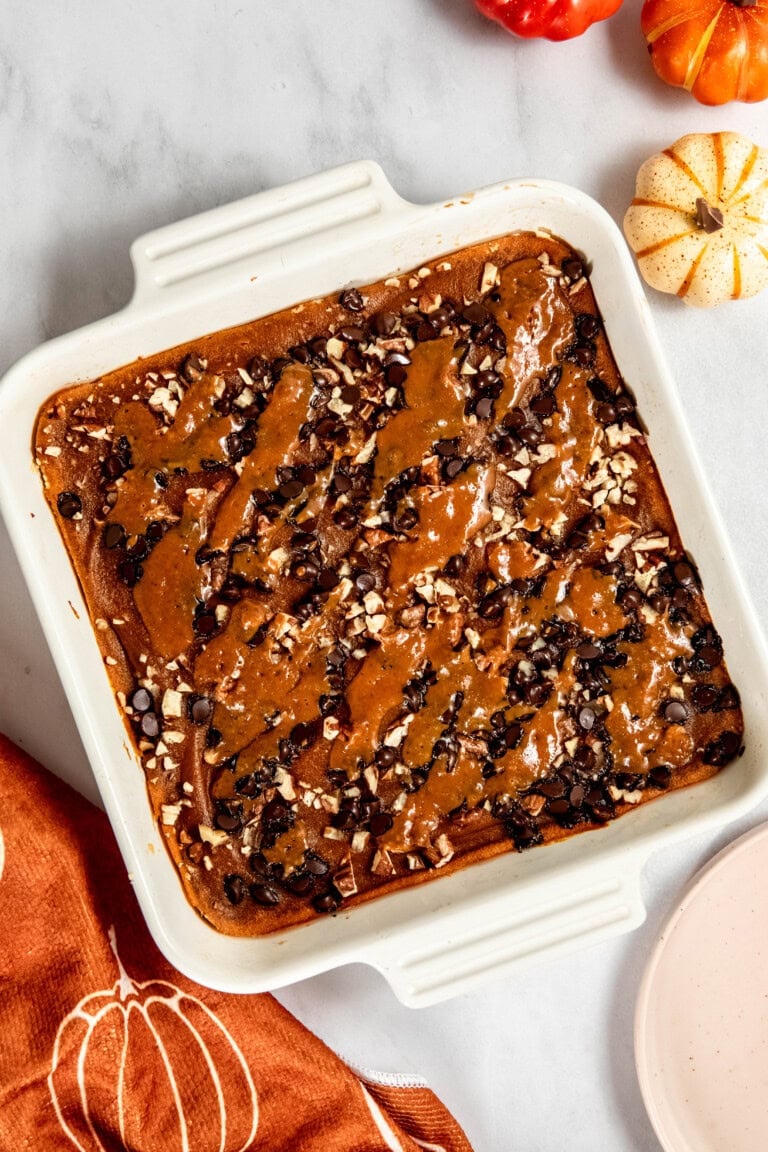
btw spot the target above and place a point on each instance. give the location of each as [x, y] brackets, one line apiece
[387, 583]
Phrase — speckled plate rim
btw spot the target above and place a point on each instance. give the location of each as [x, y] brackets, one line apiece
[660, 1108]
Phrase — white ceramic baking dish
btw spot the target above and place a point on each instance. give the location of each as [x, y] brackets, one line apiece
[347, 226]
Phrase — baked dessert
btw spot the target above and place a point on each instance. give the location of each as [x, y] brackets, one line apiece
[387, 583]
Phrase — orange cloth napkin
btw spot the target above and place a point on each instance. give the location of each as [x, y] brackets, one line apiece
[105, 1047]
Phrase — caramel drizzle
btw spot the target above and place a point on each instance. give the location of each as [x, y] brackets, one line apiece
[277, 441]
[434, 410]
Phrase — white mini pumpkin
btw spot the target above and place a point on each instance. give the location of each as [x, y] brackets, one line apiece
[699, 220]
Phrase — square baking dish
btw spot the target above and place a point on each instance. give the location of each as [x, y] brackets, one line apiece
[248, 259]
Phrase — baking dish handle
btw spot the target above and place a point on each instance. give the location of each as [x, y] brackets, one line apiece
[217, 248]
[591, 906]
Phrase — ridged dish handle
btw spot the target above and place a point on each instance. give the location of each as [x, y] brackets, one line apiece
[222, 243]
[591, 906]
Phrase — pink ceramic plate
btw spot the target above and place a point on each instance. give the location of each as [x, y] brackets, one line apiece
[701, 1029]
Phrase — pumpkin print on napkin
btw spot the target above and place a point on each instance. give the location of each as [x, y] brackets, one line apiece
[104, 1047]
[152, 1032]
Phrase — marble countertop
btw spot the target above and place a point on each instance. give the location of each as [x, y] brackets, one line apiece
[115, 119]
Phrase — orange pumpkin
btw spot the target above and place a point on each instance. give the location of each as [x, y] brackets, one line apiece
[154, 1064]
[715, 49]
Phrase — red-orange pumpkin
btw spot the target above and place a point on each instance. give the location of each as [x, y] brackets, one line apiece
[715, 49]
[154, 1064]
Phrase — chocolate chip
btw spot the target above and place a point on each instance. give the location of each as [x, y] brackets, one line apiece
[305, 570]
[130, 572]
[69, 504]
[113, 536]
[227, 821]
[606, 413]
[728, 699]
[385, 756]
[205, 624]
[476, 314]
[351, 332]
[484, 408]
[259, 864]
[452, 467]
[447, 447]
[531, 435]
[264, 894]
[347, 817]
[543, 405]
[720, 751]
[660, 776]
[710, 656]
[587, 719]
[365, 582]
[684, 574]
[317, 348]
[675, 712]
[200, 709]
[588, 651]
[426, 331]
[559, 807]
[303, 735]
[625, 405]
[249, 785]
[327, 901]
[576, 796]
[300, 354]
[584, 354]
[572, 268]
[191, 367]
[336, 658]
[114, 466]
[380, 824]
[383, 323]
[327, 579]
[537, 694]
[315, 864]
[341, 482]
[150, 726]
[407, 519]
[704, 696]
[585, 758]
[631, 599]
[234, 888]
[587, 325]
[141, 700]
[396, 375]
[258, 369]
[455, 566]
[139, 550]
[345, 518]
[513, 735]
[489, 378]
[351, 299]
[291, 489]
[552, 378]
[235, 446]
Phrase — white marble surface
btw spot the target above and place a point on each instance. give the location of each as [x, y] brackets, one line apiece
[115, 119]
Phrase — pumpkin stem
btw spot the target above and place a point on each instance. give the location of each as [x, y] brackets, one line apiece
[707, 216]
[744, 3]
[125, 985]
